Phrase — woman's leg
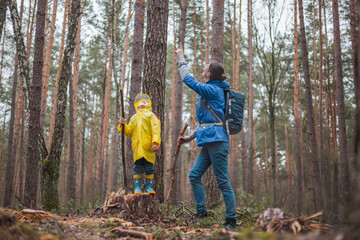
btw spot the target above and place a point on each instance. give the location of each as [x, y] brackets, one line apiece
[201, 164]
[218, 152]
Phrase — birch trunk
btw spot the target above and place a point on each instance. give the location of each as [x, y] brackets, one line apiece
[50, 166]
[53, 115]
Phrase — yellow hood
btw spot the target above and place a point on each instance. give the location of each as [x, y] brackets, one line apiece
[139, 98]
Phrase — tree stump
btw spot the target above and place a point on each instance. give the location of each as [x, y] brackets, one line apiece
[140, 208]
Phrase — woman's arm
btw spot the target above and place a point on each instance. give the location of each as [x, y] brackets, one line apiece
[202, 89]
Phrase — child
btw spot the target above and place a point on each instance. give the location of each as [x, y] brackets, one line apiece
[144, 130]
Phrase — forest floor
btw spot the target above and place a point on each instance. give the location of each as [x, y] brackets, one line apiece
[34, 224]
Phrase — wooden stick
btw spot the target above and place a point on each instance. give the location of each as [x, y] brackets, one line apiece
[132, 233]
[123, 142]
[173, 172]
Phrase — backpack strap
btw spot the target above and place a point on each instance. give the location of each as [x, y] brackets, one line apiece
[220, 123]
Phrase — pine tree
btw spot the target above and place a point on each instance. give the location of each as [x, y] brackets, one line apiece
[154, 74]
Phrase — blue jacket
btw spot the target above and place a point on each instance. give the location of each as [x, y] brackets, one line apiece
[213, 92]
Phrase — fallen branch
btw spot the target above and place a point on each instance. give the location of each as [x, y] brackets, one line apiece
[132, 233]
[275, 220]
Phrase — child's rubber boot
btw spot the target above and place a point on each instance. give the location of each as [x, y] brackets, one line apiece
[149, 182]
[137, 179]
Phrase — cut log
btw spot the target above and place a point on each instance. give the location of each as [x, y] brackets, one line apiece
[132, 233]
[139, 208]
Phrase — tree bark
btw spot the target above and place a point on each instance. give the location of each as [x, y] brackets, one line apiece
[136, 72]
[310, 115]
[21, 62]
[344, 155]
[83, 162]
[73, 96]
[207, 44]
[125, 47]
[154, 74]
[10, 163]
[244, 159]
[299, 193]
[53, 115]
[33, 152]
[50, 166]
[3, 7]
[47, 63]
[2, 55]
[250, 174]
[168, 147]
[356, 220]
[217, 37]
[176, 128]
[315, 78]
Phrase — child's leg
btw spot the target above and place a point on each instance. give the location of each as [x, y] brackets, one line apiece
[149, 178]
[138, 174]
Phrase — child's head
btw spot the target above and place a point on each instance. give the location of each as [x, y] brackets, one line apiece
[141, 101]
[142, 104]
[214, 71]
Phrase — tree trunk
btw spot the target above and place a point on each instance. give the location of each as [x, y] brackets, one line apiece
[33, 152]
[30, 29]
[3, 7]
[53, 115]
[314, 156]
[10, 163]
[193, 112]
[234, 140]
[21, 160]
[176, 128]
[73, 96]
[174, 73]
[315, 77]
[125, 47]
[2, 55]
[83, 162]
[250, 174]
[244, 159]
[299, 193]
[136, 73]
[344, 155]
[267, 167]
[217, 37]
[21, 52]
[207, 44]
[21, 62]
[47, 64]
[2, 162]
[50, 166]
[154, 74]
[356, 220]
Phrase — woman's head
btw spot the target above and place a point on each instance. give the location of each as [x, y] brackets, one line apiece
[214, 71]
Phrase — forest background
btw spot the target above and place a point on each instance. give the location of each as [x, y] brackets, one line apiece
[296, 147]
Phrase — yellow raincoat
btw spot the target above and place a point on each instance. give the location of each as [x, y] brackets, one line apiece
[144, 130]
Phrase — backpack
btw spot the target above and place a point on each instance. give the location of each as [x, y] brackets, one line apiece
[234, 111]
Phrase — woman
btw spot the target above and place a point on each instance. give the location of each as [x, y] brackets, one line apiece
[210, 135]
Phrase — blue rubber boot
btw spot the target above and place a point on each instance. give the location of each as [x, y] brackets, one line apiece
[149, 182]
[137, 189]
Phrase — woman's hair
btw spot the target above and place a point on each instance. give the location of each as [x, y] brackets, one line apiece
[217, 71]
